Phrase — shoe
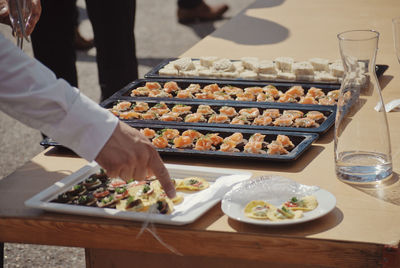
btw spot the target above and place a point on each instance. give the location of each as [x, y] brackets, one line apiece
[81, 43]
[201, 12]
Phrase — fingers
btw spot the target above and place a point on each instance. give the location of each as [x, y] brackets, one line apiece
[126, 172]
[161, 172]
[34, 18]
[128, 154]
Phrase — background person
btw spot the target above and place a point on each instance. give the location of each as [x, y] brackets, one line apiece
[192, 10]
[113, 28]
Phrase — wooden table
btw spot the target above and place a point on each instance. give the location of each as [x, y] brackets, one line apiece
[357, 233]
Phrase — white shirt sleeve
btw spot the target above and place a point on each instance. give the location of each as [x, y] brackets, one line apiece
[30, 93]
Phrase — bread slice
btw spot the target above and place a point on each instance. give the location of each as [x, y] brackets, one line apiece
[168, 72]
[286, 76]
[336, 69]
[208, 61]
[250, 63]
[191, 73]
[267, 76]
[206, 73]
[238, 66]
[284, 64]
[248, 75]
[325, 77]
[267, 67]
[184, 64]
[223, 65]
[320, 64]
[302, 68]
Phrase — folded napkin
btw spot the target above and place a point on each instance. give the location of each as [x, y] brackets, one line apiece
[216, 191]
[392, 105]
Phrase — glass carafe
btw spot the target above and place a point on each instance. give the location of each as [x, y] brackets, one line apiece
[362, 141]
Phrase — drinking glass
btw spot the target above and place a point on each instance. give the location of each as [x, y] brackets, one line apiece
[396, 36]
[362, 142]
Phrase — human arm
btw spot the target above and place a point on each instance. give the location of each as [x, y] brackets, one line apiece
[31, 93]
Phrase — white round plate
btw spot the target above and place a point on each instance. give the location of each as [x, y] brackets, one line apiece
[276, 190]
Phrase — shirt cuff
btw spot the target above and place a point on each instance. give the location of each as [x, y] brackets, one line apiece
[86, 128]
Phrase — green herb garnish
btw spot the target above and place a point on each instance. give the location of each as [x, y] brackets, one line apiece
[146, 188]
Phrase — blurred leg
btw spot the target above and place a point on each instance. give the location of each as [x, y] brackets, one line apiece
[113, 27]
[1, 255]
[52, 39]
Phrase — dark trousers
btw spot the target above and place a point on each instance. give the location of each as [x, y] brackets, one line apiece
[1, 255]
[188, 3]
[113, 27]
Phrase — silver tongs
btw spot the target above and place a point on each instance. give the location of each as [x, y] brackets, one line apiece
[19, 21]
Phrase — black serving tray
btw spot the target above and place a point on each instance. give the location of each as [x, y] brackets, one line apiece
[153, 73]
[184, 83]
[301, 140]
[328, 111]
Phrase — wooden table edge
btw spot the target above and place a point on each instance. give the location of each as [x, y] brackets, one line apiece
[253, 247]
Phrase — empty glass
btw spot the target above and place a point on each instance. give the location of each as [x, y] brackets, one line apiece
[362, 142]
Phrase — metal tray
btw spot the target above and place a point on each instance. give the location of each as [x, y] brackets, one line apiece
[221, 180]
[328, 111]
[184, 83]
[301, 140]
[153, 73]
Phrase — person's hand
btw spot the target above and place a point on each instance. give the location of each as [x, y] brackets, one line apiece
[4, 12]
[128, 154]
[33, 13]
[36, 10]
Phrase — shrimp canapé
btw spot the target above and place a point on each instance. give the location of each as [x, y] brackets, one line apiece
[193, 134]
[171, 86]
[183, 142]
[195, 118]
[160, 142]
[204, 144]
[148, 133]
[228, 111]
[169, 133]
[285, 141]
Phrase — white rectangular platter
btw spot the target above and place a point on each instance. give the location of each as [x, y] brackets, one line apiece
[193, 206]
